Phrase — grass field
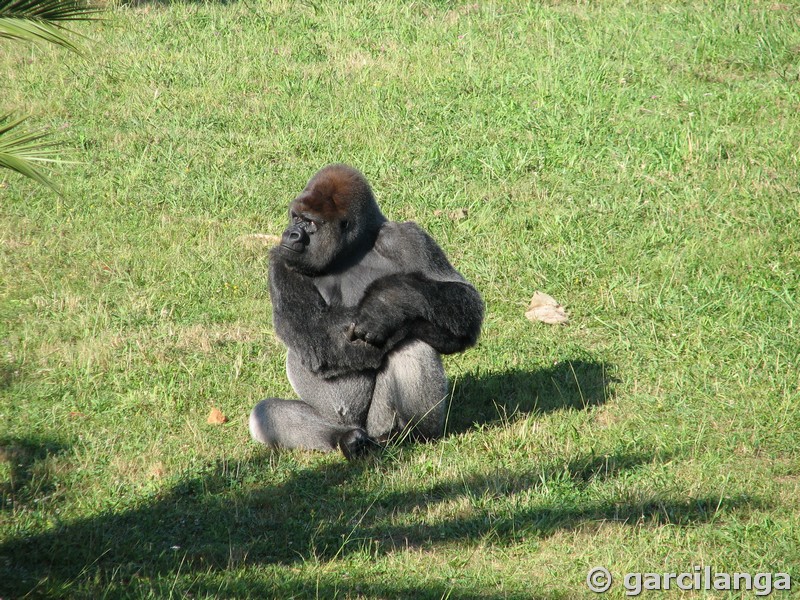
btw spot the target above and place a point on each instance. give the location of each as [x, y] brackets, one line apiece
[636, 160]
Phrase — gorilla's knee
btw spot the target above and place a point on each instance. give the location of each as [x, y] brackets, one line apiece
[261, 426]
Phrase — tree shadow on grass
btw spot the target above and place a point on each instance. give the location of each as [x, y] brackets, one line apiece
[492, 398]
[209, 526]
[28, 477]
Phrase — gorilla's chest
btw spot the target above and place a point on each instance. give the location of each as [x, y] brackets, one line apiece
[346, 287]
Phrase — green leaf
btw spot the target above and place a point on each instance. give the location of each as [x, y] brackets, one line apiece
[40, 20]
[48, 10]
[20, 149]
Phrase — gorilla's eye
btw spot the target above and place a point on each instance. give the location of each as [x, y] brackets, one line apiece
[345, 224]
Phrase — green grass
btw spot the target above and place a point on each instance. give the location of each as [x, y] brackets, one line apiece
[636, 160]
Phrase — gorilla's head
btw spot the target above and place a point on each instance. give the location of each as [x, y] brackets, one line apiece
[334, 217]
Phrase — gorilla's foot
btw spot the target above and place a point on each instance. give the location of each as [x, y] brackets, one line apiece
[356, 444]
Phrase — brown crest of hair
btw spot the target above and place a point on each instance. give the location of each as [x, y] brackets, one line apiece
[331, 191]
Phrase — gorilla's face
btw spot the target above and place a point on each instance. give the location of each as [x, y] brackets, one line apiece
[311, 243]
[297, 236]
[334, 217]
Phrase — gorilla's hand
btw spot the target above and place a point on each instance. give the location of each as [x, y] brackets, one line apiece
[375, 326]
[341, 355]
[385, 313]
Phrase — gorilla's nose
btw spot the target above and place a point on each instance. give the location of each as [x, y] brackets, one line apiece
[295, 238]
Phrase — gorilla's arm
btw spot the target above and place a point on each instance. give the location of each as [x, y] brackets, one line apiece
[314, 330]
[446, 315]
[427, 299]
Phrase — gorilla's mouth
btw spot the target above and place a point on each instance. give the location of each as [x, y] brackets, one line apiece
[296, 247]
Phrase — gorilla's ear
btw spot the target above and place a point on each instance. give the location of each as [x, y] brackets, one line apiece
[345, 224]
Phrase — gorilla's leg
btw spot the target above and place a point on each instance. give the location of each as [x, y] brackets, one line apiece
[282, 423]
[330, 414]
[344, 400]
[410, 391]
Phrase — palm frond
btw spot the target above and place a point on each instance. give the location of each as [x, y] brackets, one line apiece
[41, 20]
[21, 149]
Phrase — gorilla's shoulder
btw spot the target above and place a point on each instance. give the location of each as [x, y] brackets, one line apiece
[396, 240]
[409, 246]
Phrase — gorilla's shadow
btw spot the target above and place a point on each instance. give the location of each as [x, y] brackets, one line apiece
[208, 525]
[495, 397]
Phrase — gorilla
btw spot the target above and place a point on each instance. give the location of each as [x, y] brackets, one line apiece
[366, 307]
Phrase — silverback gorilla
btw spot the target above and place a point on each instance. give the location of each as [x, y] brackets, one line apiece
[365, 306]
